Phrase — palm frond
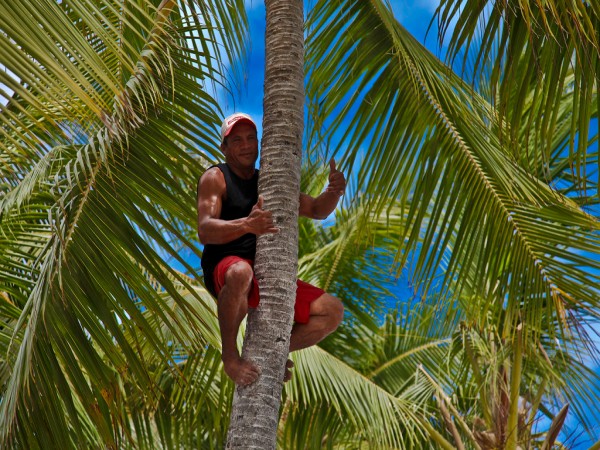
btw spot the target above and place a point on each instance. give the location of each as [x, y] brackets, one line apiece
[113, 144]
[362, 409]
[470, 208]
[553, 47]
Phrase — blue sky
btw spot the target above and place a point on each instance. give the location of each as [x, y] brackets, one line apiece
[415, 16]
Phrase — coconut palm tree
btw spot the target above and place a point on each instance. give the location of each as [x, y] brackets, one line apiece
[109, 117]
[255, 410]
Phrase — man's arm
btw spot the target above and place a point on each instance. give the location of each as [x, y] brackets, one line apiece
[320, 207]
[211, 229]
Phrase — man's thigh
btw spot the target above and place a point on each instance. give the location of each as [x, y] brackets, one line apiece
[306, 295]
[235, 270]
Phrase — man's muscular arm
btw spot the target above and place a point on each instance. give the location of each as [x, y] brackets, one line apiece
[324, 204]
[211, 229]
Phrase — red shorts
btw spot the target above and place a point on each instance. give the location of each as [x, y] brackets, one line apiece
[305, 293]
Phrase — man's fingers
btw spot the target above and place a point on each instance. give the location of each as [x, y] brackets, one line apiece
[259, 203]
[337, 177]
[270, 230]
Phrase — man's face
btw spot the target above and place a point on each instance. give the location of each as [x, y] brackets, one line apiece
[241, 146]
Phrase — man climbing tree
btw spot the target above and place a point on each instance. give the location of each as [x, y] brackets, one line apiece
[230, 216]
[255, 409]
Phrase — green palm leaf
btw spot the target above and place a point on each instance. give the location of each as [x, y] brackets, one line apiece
[551, 47]
[473, 210]
[116, 96]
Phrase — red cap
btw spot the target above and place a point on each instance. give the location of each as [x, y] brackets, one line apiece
[232, 121]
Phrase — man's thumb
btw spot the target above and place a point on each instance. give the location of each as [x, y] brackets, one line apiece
[259, 203]
[332, 165]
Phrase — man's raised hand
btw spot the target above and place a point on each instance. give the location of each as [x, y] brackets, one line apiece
[337, 181]
[261, 221]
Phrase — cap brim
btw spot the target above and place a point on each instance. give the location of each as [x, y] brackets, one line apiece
[237, 122]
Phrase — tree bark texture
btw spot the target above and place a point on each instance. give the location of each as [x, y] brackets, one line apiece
[255, 410]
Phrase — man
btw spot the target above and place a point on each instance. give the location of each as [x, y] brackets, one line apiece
[230, 216]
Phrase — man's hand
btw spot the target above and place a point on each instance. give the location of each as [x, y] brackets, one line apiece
[319, 208]
[260, 221]
[337, 181]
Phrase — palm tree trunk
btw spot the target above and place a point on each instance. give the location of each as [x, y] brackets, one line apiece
[255, 411]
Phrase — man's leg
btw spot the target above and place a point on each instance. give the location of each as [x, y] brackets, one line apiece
[326, 313]
[232, 307]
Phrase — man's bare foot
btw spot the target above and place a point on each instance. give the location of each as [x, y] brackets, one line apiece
[288, 373]
[242, 372]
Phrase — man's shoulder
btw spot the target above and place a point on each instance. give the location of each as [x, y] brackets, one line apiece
[212, 178]
[213, 172]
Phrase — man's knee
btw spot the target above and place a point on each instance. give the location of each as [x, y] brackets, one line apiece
[334, 311]
[239, 276]
[337, 311]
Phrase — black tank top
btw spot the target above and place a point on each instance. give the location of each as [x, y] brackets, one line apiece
[242, 195]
